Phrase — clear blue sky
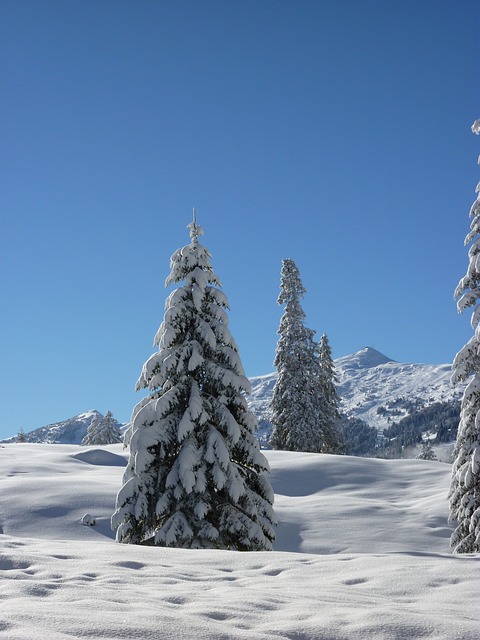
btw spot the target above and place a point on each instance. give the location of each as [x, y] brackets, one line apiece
[333, 132]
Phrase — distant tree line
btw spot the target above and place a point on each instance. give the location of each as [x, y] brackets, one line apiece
[359, 437]
[399, 406]
[441, 418]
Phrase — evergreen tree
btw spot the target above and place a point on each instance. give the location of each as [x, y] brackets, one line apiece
[297, 405]
[360, 438]
[196, 475]
[111, 433]
[21, 436]
[464, 492]
[104, 431]
[427, 452]
[92, 431]
[332, 434]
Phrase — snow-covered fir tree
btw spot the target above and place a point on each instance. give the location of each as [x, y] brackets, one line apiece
[196, 477]
[91, 431]
[102, 431]
[427, 452]
[464, 495]
[298, 407]
[331, 432]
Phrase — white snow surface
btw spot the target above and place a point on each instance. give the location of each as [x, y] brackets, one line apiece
[362, 551]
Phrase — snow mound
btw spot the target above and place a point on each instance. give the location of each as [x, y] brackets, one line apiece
[101, 457]
[385, 499]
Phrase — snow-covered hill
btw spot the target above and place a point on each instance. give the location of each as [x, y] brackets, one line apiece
[362, 551]
[375, 388]
[71, 431]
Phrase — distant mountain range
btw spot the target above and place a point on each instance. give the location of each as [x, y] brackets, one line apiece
[371, 386]
[375, 388]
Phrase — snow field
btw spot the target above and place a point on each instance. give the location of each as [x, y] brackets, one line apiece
[362, 551]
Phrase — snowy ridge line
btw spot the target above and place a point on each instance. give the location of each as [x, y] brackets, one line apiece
[369, 381]
[375, 388]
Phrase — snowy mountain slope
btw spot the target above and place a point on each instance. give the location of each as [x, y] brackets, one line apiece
[362, 551]
[376, 392]
[374, 388]
[71, 431]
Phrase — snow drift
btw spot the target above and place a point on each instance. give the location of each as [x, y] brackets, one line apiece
[362, 551]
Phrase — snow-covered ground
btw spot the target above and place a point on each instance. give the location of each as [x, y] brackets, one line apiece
[361, 552]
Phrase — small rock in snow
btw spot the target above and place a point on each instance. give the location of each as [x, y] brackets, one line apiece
[88, 520]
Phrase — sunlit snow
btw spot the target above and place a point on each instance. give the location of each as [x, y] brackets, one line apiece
[362, 551]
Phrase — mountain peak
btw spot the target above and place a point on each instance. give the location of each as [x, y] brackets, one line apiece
[366, 358]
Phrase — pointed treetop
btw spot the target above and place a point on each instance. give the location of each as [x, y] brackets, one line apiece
[195, 229]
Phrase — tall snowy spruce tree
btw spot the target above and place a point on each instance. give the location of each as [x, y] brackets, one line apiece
[332, 435]
[196, 475]
[299, 411]
[464, 492]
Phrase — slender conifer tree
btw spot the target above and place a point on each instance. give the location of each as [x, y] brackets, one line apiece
[300, 415]
[333, 440]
